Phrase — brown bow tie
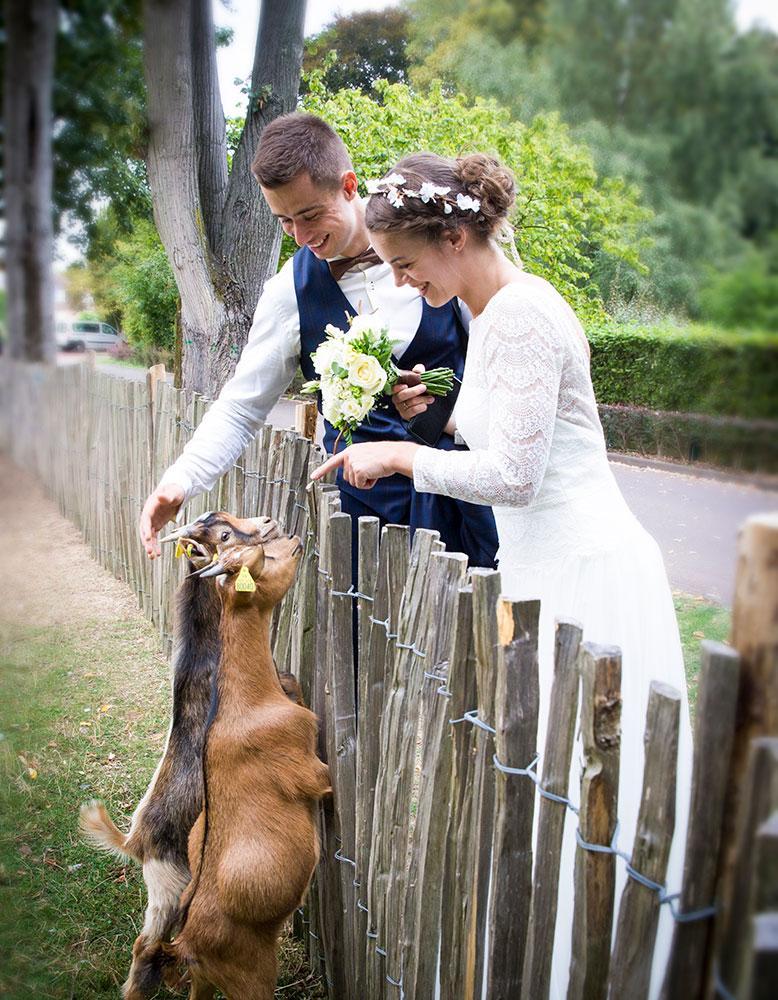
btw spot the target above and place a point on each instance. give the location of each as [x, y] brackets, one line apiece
[339, 267]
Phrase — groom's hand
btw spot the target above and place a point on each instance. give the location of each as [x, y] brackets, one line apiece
[411, 400]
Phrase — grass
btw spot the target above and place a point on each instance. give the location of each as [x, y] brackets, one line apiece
[698, 619]
[83, 713]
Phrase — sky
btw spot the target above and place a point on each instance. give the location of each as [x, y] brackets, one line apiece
[243, 17]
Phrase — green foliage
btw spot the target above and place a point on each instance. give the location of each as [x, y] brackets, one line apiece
[695, 369]
[564, 217]
[133, 283]
[746, 296]
[100, 109]
[666, 92]
[370, 46]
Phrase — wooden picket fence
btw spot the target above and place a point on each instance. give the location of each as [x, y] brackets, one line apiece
[433, 754]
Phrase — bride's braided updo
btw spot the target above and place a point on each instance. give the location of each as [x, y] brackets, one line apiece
[476, 178]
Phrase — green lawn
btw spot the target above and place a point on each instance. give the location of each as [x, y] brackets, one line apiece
[83, 713]
[697, 620]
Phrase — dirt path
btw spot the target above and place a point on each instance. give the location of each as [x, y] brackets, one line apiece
[48, 576]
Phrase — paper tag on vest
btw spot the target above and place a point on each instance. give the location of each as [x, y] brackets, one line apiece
[245, 582]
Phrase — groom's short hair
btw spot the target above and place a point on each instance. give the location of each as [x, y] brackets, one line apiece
[300, 143]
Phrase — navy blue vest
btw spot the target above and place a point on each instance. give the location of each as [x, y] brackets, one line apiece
[440, 341]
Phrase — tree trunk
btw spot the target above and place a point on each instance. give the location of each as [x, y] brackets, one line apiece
[221, 240]
[29, 70]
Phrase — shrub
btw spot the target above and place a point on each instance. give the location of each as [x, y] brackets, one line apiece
[692, 369]
[746, 296]
[565, 215]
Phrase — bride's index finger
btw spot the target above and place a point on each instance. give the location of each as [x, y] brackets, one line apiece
[332, 463]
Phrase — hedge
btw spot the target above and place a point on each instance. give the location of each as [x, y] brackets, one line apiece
[691, 369]
[727, 442]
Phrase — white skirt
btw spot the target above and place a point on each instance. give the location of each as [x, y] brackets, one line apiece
[591, 561]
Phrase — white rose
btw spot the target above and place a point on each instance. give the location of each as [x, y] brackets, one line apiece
[352, 409]
[359, 325]
[326, 354]
[366, 372]
[331, 409]
[334, 331]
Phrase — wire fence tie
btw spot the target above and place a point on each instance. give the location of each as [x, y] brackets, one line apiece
[339, 856]
[361, 906]
[394, 982]
[473, 719]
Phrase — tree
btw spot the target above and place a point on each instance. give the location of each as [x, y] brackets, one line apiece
[370, 45]
[27, 114]
[220, 237]
[565, 216]
[100, 112]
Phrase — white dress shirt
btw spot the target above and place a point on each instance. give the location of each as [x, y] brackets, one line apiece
[269, 362]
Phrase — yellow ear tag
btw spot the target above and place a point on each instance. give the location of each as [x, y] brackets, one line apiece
[189, 550]
[215, 557]
[245, 582]
[179, 550]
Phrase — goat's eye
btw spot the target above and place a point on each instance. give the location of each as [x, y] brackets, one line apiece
[225, 535]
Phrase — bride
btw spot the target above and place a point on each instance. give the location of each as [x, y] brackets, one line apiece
[526, 411]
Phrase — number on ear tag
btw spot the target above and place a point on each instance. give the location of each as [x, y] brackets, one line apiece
[245, 582]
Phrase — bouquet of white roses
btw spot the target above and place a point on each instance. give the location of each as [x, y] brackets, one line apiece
[355, 368]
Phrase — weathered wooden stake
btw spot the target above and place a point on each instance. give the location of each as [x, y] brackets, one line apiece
[630, 971]
[595, 873]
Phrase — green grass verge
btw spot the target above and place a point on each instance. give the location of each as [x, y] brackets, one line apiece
[83, 713]
[697, 620]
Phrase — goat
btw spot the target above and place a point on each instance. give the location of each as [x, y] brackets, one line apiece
[254, 847]
[162, 821]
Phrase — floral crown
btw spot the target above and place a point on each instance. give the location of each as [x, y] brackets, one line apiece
[393, 187]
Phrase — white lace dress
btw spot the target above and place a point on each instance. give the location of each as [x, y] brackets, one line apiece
[527, 412]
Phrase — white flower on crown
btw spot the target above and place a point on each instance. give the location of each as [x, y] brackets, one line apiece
[429, 191]
[466, 203]
[394, 179]
[394, 197]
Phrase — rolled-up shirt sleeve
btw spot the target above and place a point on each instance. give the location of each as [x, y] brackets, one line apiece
[265, 369]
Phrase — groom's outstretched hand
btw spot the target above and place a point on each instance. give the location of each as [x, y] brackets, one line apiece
[364, 464]
[411, 400]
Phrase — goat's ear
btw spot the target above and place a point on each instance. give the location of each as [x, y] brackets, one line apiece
[254, 560]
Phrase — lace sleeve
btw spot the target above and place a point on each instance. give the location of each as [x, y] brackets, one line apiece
[522, 359]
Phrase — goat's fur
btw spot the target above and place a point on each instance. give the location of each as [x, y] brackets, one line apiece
[160, 826]
[254, 847]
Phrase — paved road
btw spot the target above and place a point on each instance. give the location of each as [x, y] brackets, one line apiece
[694, 520]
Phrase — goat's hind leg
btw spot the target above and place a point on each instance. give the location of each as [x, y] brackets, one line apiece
[165, 881]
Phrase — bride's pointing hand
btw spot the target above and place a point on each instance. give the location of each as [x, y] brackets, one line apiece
[364, 464]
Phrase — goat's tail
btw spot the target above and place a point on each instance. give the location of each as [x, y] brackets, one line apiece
[99, 829]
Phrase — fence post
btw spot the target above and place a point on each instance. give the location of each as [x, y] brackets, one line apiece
[716, 704]
[516, 730]
[394, 558]
[486, 591]
[341, 732]
[759, 799]
[427, 856]
[630, 972]
[560, 735]
[595, 873]
[458, 875]
[154, 376]
[755, 637]
[306, 416]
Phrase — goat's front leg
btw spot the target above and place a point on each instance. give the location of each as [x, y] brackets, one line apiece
[200, 988]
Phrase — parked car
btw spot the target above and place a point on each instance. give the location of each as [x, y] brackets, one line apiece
[83, 334]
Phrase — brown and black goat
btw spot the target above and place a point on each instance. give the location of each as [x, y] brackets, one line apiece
[162, 821]
[254, 847]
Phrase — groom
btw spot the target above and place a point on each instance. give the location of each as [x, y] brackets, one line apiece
[308, 181]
